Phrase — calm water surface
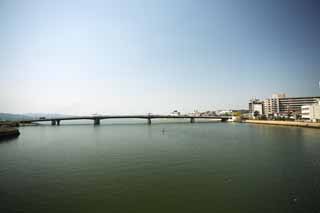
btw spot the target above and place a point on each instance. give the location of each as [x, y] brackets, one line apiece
[133, 167]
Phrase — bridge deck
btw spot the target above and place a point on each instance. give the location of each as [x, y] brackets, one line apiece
[127, 116]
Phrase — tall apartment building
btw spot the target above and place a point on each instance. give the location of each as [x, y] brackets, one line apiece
[272, 105]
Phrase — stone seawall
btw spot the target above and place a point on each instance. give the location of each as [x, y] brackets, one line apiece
[285, 123]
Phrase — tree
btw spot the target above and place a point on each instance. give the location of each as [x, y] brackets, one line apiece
[298, 117]
[256, 114]
[263, 117]
[236, 113]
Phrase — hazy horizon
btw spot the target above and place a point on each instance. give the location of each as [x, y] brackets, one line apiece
[133, 57]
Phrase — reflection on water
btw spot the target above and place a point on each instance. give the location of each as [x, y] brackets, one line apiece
[8, 139]
[164, 167]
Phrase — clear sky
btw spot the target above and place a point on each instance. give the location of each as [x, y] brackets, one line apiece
[137, 56]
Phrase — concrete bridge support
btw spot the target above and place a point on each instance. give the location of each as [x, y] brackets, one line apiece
[96, 121]
[58, 122]
[191, 120]
[149, 121]
[53, 122]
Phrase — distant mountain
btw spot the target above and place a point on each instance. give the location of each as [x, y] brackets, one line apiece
[47, 115]
[27, 116]
[13, 117]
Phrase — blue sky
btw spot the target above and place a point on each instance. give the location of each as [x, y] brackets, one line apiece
[84, 57]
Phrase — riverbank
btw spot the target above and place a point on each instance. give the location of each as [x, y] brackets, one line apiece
[9, 124]
[8, 132]
[285, 123]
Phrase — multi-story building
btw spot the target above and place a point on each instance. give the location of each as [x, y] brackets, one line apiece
[293, 105]
[279, 104]
[271, 105]
[255, 105]
[311, 112]
[305, 112]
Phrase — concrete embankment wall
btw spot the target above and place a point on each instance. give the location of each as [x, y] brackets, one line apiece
[286, 123]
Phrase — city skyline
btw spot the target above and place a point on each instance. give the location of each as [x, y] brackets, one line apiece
[154, 56]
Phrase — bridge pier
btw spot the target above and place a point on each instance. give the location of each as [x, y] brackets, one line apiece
[53, 122]
[191, 120]
[96, 121]
[149, 121]
[58, 122]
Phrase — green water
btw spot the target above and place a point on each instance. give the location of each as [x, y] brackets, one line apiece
[200, 167]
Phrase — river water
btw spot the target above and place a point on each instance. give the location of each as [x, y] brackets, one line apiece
[164, 167]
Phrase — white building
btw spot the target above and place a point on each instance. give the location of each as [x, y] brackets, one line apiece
[258, 107]
[280, 105]
[311, 112]
[255, 105]
[305, 112]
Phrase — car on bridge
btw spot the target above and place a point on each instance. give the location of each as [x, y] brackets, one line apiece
[42, 118]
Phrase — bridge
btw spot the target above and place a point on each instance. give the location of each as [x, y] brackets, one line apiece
[98, 118]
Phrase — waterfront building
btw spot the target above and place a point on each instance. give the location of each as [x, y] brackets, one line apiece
[305, 112]
[294, 104]
[311, 112]
[255, 105]
[271, 105]
[280, 105]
